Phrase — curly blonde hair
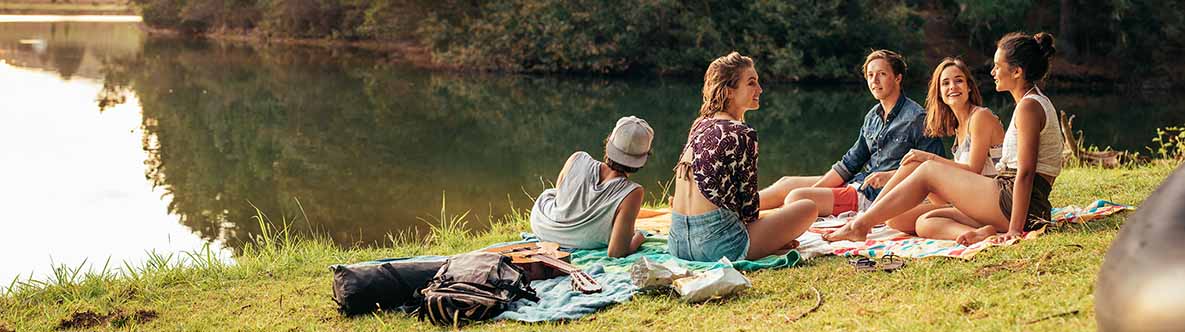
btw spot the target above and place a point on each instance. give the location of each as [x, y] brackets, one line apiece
[721, 78]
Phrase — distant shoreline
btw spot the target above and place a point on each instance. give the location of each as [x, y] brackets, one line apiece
[404, 50]
[9, 8]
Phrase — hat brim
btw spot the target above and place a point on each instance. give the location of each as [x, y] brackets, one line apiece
[625, 159]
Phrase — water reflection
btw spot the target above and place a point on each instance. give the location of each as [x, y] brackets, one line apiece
[369, 147]
[67, 48]
[74, 188]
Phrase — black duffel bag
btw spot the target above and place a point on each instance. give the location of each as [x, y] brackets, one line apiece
[396, 284]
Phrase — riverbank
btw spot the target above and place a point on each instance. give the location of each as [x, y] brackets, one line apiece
[45, 8]
[281, 283]
[405, 51]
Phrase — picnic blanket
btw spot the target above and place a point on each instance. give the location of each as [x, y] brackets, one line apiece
[884, 240]
[559, 302]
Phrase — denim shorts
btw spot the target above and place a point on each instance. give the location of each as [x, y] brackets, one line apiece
[709, 236]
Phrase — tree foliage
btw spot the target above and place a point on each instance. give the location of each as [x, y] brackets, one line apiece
[792, 40]
[824, 39]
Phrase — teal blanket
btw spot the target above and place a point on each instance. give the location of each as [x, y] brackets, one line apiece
[559, 302]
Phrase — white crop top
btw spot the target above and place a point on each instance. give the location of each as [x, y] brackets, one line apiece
[1049, 149]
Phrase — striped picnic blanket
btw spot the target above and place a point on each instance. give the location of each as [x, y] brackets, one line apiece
[884, 240]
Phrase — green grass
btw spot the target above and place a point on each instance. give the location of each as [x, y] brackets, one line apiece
[282, 283]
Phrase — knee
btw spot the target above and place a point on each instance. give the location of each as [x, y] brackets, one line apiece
[784, 182]
[923, 225]
[805, 206]
[796, 195]
[927, 220]
[928, 170]
[928, 215]
[929, 166]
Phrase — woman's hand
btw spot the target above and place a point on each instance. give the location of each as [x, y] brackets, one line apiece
[1006, 237]
[917, 156]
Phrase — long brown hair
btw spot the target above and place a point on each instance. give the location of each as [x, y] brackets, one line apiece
[721, 78]
[940, 119]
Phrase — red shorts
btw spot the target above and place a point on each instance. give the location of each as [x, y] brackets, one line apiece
[846, 199]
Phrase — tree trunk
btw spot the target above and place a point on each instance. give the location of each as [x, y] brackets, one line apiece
[1066, 36]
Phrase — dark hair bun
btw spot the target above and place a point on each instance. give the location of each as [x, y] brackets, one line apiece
[1045, 41]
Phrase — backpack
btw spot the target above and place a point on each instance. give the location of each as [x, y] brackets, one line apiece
[362, 288]
[472, 287]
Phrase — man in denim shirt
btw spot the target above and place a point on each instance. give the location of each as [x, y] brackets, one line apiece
[886, 136]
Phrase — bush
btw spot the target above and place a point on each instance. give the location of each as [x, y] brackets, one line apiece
[825, 39]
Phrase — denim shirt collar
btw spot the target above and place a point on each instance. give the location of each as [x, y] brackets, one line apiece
[880, 109]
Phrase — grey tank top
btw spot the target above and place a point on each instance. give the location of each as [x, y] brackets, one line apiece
[579, 211]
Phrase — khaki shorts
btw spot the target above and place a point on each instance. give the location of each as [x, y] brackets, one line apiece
[1039, 206]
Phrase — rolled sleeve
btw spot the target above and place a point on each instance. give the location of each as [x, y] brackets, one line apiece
[854, 159]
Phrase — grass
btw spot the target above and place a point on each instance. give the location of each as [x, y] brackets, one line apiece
[282, 283]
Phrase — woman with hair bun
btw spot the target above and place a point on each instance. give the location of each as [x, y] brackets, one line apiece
[714, 208]
[1017, 199]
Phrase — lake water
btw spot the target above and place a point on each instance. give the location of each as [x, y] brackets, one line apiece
[116, 143]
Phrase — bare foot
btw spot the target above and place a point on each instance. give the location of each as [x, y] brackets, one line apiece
[975, 236]
[847, 233]
[792, 245]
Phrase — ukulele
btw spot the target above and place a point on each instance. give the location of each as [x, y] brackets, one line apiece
[544, 260]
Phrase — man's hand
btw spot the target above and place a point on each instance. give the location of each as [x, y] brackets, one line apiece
[917, 156]
[877, 179]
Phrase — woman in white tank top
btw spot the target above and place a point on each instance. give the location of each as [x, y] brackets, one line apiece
[1016, 200]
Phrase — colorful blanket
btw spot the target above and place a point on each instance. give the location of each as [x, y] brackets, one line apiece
[884, 240]
[1077, 215]
[559, 302]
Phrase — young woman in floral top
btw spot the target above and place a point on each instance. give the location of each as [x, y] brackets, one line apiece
[714, 209]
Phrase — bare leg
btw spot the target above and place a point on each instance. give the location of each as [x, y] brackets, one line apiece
[973, 237]
[973, 194]
[901, 174]
[907, 222]
[823, 198]
[945, 224]
[951, 224]
[776, 231]
[904, 171]
[774, 195]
